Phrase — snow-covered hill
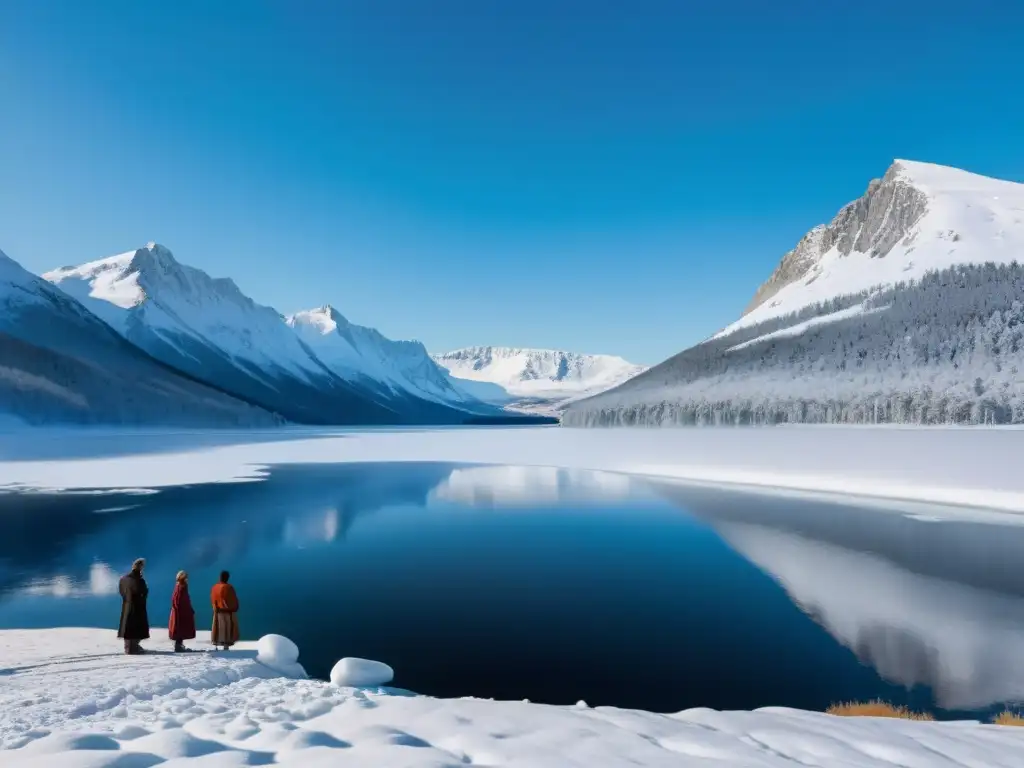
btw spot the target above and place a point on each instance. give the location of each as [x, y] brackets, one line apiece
[207, 327]
[905, 308]
[61, 364]
[538, 376]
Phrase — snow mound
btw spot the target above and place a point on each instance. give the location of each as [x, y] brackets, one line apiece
[278, 653]
[361, 672]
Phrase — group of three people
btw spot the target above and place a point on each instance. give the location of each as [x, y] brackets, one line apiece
[134, 626]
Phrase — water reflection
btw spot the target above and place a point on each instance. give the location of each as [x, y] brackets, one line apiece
[732, 600]
[923, 602]
[74, 544]
[102, 581]
[501, 486]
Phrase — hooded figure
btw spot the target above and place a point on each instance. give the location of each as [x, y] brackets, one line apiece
[182, 625]
[225, 613]
[134, 624]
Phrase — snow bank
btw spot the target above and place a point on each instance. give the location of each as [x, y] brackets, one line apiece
[361, 672]
[954, 466]
[55, 676]
[68, 699]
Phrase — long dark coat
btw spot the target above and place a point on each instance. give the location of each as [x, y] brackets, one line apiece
[134, 619]
[182, 625]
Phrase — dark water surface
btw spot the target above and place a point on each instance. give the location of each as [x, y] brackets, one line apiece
[555, 585]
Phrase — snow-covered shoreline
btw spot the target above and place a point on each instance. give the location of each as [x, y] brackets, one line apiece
[70, 700]
[961, 467]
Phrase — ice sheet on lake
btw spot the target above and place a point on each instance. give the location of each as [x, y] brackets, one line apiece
[968, 466]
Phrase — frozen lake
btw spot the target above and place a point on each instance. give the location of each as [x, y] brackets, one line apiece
[554, 584]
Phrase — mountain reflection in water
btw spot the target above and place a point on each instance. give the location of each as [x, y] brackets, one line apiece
[923, 602]
[545, 583]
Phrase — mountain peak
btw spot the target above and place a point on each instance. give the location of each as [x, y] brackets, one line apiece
[917, 218]
[324, 319]
[152, 255]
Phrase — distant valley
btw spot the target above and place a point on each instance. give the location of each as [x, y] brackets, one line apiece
[536, 380]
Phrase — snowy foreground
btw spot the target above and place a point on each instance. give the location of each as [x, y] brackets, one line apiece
[958, 467]
[69, 700]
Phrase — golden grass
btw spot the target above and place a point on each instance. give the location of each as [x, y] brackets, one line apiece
[876, 708]
[1009, 718]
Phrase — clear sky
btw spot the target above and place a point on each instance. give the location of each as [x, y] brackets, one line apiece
[599, 176]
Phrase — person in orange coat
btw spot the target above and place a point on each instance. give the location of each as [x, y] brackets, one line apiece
[225, 613]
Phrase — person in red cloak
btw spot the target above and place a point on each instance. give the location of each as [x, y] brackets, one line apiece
[182, 625]
[225, 613]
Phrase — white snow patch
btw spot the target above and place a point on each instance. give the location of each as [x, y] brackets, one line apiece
[70, 700]
[799, 328]
[351, 671]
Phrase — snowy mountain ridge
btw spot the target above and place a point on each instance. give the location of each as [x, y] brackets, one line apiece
[312, 367]
[549, 375]
[906, 307]
[355, 351]
[150, 287]
[61, 363]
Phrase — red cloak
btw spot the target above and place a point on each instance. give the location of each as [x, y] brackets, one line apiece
[182, 625]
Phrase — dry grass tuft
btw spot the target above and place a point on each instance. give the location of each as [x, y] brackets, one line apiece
[1009, 718]
[876, 708]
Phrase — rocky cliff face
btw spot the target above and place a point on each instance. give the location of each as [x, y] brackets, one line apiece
[872, 224]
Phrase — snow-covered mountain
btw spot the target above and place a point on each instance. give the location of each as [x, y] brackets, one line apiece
[60, 364]
[907, 307]
[365, 356]
[917, 218]
[538, 376]
[208, 328]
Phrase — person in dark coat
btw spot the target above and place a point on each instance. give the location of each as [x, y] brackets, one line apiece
[225, 613]
[134, 625]
[182, 625]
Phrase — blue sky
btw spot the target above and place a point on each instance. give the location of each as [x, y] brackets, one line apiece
[598, 176]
